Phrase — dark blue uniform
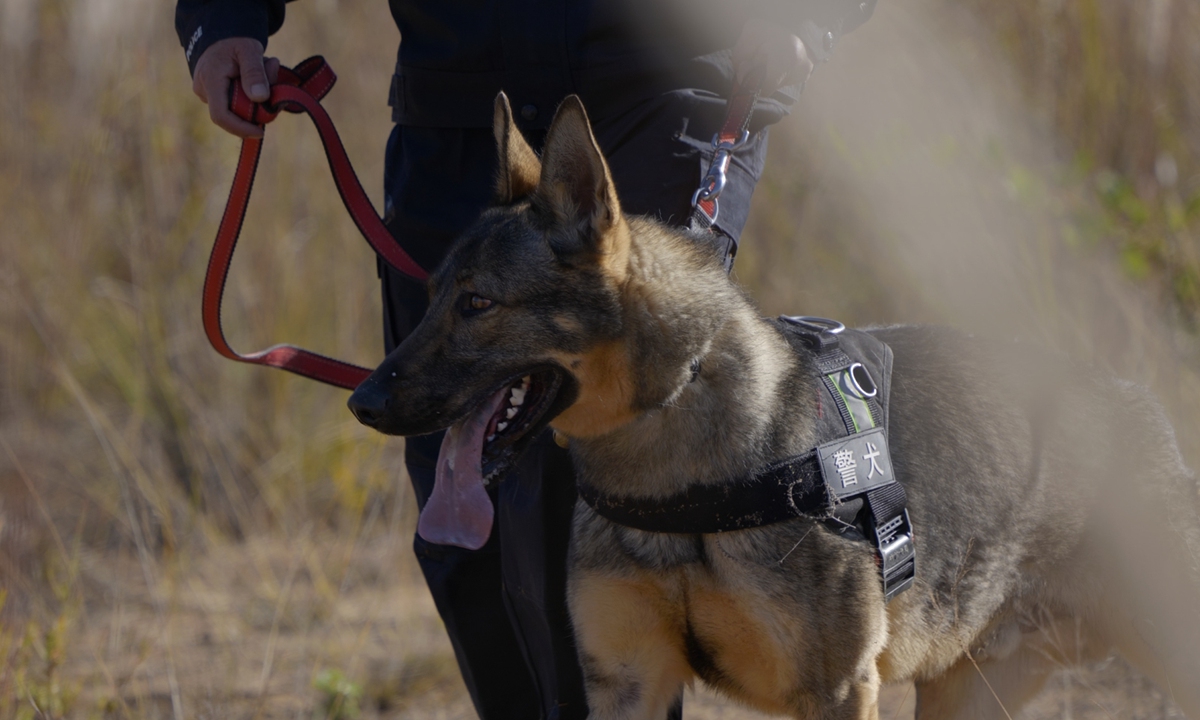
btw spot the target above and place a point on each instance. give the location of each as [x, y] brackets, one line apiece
[652, 79]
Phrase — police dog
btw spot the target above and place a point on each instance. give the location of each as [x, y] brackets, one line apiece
[1054, 518]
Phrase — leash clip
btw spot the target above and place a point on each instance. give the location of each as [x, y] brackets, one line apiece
[734, 133]
[716, 178]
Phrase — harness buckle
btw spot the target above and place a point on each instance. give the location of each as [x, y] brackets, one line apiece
[897, 555]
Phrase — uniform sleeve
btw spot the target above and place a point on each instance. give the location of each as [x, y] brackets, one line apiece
[819, 23]
[200, 23]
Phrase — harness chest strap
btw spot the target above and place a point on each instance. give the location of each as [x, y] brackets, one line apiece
[848, 481]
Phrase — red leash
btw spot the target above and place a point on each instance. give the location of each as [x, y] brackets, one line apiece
[298, 90]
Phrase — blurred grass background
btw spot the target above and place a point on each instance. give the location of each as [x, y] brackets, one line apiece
[181, 536]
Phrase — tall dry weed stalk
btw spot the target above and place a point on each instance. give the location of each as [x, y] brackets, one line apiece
[122, 431]
[120, 417]
[1120, 80]
[113, 181]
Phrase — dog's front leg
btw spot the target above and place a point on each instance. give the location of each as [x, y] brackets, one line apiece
[631, 649]
[862, 703]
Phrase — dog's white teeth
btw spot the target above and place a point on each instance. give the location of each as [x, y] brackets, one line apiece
[499, 427]
[518, 397]
[511, 413]
[491, 437]
[487, 481]
[525, 381]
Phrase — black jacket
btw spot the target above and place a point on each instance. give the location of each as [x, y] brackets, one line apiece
[457, 54]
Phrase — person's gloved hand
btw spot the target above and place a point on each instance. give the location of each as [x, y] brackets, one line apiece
[223, 61]
[782, 53]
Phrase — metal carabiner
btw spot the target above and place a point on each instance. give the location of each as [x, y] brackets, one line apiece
[716, 178]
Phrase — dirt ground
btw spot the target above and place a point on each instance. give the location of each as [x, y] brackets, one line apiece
[247, 630]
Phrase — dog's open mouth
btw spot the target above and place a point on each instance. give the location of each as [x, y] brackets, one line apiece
[480, 448]
[525, 403]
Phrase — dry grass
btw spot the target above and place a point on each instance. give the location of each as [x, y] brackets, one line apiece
[1120, 81]
[184, 537]
[925, 185]
[133, 458]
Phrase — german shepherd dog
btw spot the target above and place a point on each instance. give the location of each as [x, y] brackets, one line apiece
[1054, 519]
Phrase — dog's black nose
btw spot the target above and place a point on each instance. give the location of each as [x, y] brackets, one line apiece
[369, 403]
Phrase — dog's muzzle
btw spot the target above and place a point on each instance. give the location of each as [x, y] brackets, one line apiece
[369, 403]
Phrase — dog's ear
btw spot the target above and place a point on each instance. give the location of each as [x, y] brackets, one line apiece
[576, 188]
[518, 168]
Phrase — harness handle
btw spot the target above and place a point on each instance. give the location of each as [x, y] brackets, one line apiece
[298, 90]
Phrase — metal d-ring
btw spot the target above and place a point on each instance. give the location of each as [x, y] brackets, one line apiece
[862, 383]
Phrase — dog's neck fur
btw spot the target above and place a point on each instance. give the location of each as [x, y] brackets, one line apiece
[731, 409]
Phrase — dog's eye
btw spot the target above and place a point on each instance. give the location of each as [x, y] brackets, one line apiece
[472, 303]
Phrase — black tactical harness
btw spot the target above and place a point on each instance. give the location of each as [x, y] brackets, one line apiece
[846, 481]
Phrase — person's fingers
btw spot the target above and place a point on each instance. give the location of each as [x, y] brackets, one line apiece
[781, 56]
[215, 86]
[799, 64]
[220, 63]
[212, 81]
[253, 74]
[750, 62]
[272, 67]
[224, 118]
[217, 64]
[779, 63]
[748, 51]
[198, 89]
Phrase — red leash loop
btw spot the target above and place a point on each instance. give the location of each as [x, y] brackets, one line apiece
[300, 90]
[297, 90]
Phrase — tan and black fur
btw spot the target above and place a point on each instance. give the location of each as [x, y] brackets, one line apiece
[1054, 517]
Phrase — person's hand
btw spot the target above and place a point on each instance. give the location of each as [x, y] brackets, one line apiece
[223, 61]
[781, 53]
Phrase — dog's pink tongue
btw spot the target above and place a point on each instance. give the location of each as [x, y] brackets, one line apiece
[459, 512]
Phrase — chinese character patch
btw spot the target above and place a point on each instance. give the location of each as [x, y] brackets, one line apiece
[855, 464]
